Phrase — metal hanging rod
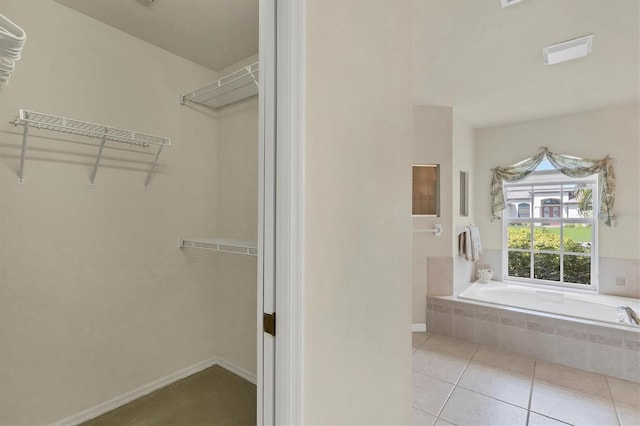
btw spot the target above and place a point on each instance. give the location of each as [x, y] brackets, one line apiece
[232, 88]
[38, 120]
[221, 244]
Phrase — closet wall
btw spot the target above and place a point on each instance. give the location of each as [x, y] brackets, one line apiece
[236, 291]
[96, 298]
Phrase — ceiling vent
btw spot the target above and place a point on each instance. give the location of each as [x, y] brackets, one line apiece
[567, 50]
[506, 3]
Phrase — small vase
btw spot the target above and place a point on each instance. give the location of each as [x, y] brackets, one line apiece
[484, 275]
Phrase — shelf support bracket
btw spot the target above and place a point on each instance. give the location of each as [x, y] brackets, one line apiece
[25, 135]
[253, 77]
[95, 167]
[153, 166]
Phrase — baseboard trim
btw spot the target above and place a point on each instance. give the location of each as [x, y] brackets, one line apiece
[125, 398]
[419, 327]
[238, 371]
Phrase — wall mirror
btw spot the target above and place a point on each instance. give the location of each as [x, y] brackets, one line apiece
[464, 194]
[426, 190]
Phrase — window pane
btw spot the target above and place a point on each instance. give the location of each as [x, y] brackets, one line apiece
[518, 201]
[577, 269]
[519, 236]
[546, 237]
[519, 264]
[546, 266]
[425, 190]
[578, 201]
[547, 202]
[577, 238]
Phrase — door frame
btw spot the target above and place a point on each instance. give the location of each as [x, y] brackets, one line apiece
[280, 373]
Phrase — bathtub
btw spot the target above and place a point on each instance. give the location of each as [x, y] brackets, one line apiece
[593, 307]
[576, 329]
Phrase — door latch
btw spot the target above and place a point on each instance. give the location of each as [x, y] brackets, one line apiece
[269, 323]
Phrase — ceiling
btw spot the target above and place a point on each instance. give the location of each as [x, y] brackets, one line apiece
[486, 61]
[483, 60]
[212, 33]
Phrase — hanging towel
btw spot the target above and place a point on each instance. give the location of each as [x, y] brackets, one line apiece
[469, 244]
[476, 245]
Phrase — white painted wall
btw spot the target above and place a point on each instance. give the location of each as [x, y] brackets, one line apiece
[593, 134]
[441, 137]
[463, 159]
[236, 284]
[432, 263]
[96, 298]
[358, 213]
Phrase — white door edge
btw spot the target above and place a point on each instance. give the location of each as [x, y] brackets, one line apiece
[281, 211]
[266, 213]
[290, 131]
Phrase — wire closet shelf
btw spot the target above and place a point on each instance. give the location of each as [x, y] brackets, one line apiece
[221, 244]
[232, 88]
[38, 120]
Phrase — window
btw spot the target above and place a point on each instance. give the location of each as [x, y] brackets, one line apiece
[426, 190]
[550, 231]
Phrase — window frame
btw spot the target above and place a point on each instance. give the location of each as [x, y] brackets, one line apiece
[544, 178]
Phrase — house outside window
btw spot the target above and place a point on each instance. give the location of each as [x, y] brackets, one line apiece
[550, 231]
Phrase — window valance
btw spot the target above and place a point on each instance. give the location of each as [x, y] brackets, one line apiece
[567, 165]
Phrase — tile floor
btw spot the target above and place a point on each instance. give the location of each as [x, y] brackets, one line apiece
[461, 383]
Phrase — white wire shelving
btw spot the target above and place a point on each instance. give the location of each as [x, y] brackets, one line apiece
[221, 244]
[232, 88]
[12, 39]
[38, 120]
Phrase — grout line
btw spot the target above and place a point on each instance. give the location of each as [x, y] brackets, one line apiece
[457, 381]
[492, 397]
[615, 408]
[533, 380]
[425, 341]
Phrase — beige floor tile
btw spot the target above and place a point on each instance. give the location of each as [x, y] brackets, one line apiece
[571, 407]
[503, 360]
[417, 339]
[443, 367]
[450, 346]
[469, 408]
[507, 387]
[429, 394]
[628, 416]
[420, 418]
[625, 393]
[573, 379]
[441, 422]
[536, 419]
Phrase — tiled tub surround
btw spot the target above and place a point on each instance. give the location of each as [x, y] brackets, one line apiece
[612, 350]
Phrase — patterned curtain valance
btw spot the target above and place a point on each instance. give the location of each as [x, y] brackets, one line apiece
[570, 166]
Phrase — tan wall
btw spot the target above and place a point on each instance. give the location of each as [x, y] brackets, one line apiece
[236, 288]
[96, 298]
[358, 213]
[463, 152]
[594, 134]
[463, 158]
[441, 137]
[432, 144]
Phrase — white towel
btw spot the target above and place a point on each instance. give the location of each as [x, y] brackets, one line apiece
[469, 244]
[476, 245]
